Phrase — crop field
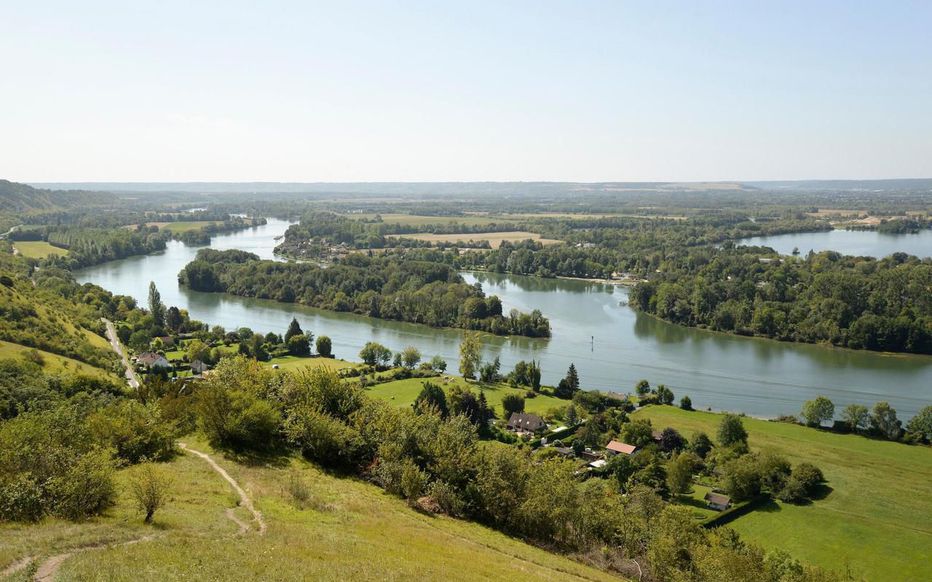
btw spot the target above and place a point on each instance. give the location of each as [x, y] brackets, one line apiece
[38, 249]
[495, 239]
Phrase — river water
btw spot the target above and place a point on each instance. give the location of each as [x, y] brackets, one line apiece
[859, 243]
[612, 345]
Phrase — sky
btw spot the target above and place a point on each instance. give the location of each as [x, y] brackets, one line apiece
[464, 91]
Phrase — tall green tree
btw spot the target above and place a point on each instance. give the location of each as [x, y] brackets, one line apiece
[731, 431]
[818, 411]
[884, 421]
[156, 307]
[294, 328]
[470, 355]
[856, 417]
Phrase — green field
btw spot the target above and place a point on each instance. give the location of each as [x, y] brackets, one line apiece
[417, 220]
[877, 519]
[38, 249]
[53, 363]
[403, 393]
[296, 363]
[349, 530]
[184, 225]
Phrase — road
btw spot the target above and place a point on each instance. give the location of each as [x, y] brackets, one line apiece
[118, 348]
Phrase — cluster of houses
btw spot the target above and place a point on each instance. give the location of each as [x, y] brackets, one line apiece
[522, 423]
[156, 362]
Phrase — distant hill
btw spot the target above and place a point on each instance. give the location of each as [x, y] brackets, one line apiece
[19, 198]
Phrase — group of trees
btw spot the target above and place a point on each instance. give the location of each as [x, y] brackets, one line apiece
[385, 287]
[435, 459]
[879, 421]
[91, 246]
[856, 302]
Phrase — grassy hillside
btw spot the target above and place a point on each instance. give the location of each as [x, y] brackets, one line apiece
[348, 530]
[22, 198]
[877, 520]
[403, 393]
[55, 364]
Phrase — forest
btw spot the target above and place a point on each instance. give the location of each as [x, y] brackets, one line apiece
[854, 302]
[386, 287]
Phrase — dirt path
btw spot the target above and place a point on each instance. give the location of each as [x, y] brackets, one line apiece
[245, 501]
[242, 525]
[118, 348]
[16, 566]
[50, 566]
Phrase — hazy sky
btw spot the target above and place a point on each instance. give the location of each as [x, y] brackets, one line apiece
[576, 90]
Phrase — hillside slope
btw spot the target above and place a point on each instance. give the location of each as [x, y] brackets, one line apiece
[347, 529]
[22, 198]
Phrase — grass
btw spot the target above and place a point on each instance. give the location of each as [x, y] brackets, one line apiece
[495, 238]
[38, 249]
[294, 363]
[876, 519]
[350, 530]
[404, 392]
[54, 363]
[695, 500]
[183, 225]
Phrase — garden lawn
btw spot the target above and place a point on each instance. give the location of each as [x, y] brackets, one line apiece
[294, 363]
[404, 392]
[38, 249]
[348, 530]
[877, 519]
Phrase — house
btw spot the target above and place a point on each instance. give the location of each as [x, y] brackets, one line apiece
[717, 501]
[619, 448]
[167, 341]
[522, 423]
[198, 367]
[656, 435]
[152, 360]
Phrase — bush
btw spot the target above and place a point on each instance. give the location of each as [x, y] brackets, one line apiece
[85, 489]
[150, 489]
[134, 430]
[322, 438]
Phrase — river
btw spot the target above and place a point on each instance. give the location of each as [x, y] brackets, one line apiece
[612, 345]
[859, 243]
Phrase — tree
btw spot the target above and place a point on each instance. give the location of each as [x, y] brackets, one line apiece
[856, 417]
[324, 346]
[431, 397]
[489, 372]
[526, 374]
[298, 345]
[818, 411]
[438, 364]
[731, 431]
[671, 440]
[920, 426]
[198, 350]
[173, 318]
[410, 356]
[150, 489]
[680, 472]
[686, 403]
[642, 387]
[294, 328]
[664, 395]
[884, 421]
[701, 444]
[470, 355]
[638, 432]
[156, 307]
[572, 378]
[375, 354]
[512, 403]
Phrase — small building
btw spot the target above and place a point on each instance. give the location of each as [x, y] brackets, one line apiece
[153, 360]
[717, 501]
[565, 451]
[524, 423]
[656, 435]
[167, 341]
[619, 448]
[198, 367]
[598, 463]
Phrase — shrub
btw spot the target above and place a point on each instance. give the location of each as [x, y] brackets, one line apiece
[85, 489]
[134, 430]
[322, 438]
[150, 489]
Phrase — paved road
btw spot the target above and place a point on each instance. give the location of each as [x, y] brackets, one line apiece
[118, 348]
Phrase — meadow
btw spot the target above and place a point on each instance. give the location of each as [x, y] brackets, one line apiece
[334, 529]
[38, 249]
[876, 519]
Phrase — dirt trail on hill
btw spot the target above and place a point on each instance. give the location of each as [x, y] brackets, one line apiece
[50, 566]
[244, 498]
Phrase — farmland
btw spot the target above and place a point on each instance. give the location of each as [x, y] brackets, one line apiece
[38, 249]
[495, 239]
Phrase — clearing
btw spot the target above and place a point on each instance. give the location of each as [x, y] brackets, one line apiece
[876, 520]
[347, 530]
[495, 239]
[38, 249]
[295, 363]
